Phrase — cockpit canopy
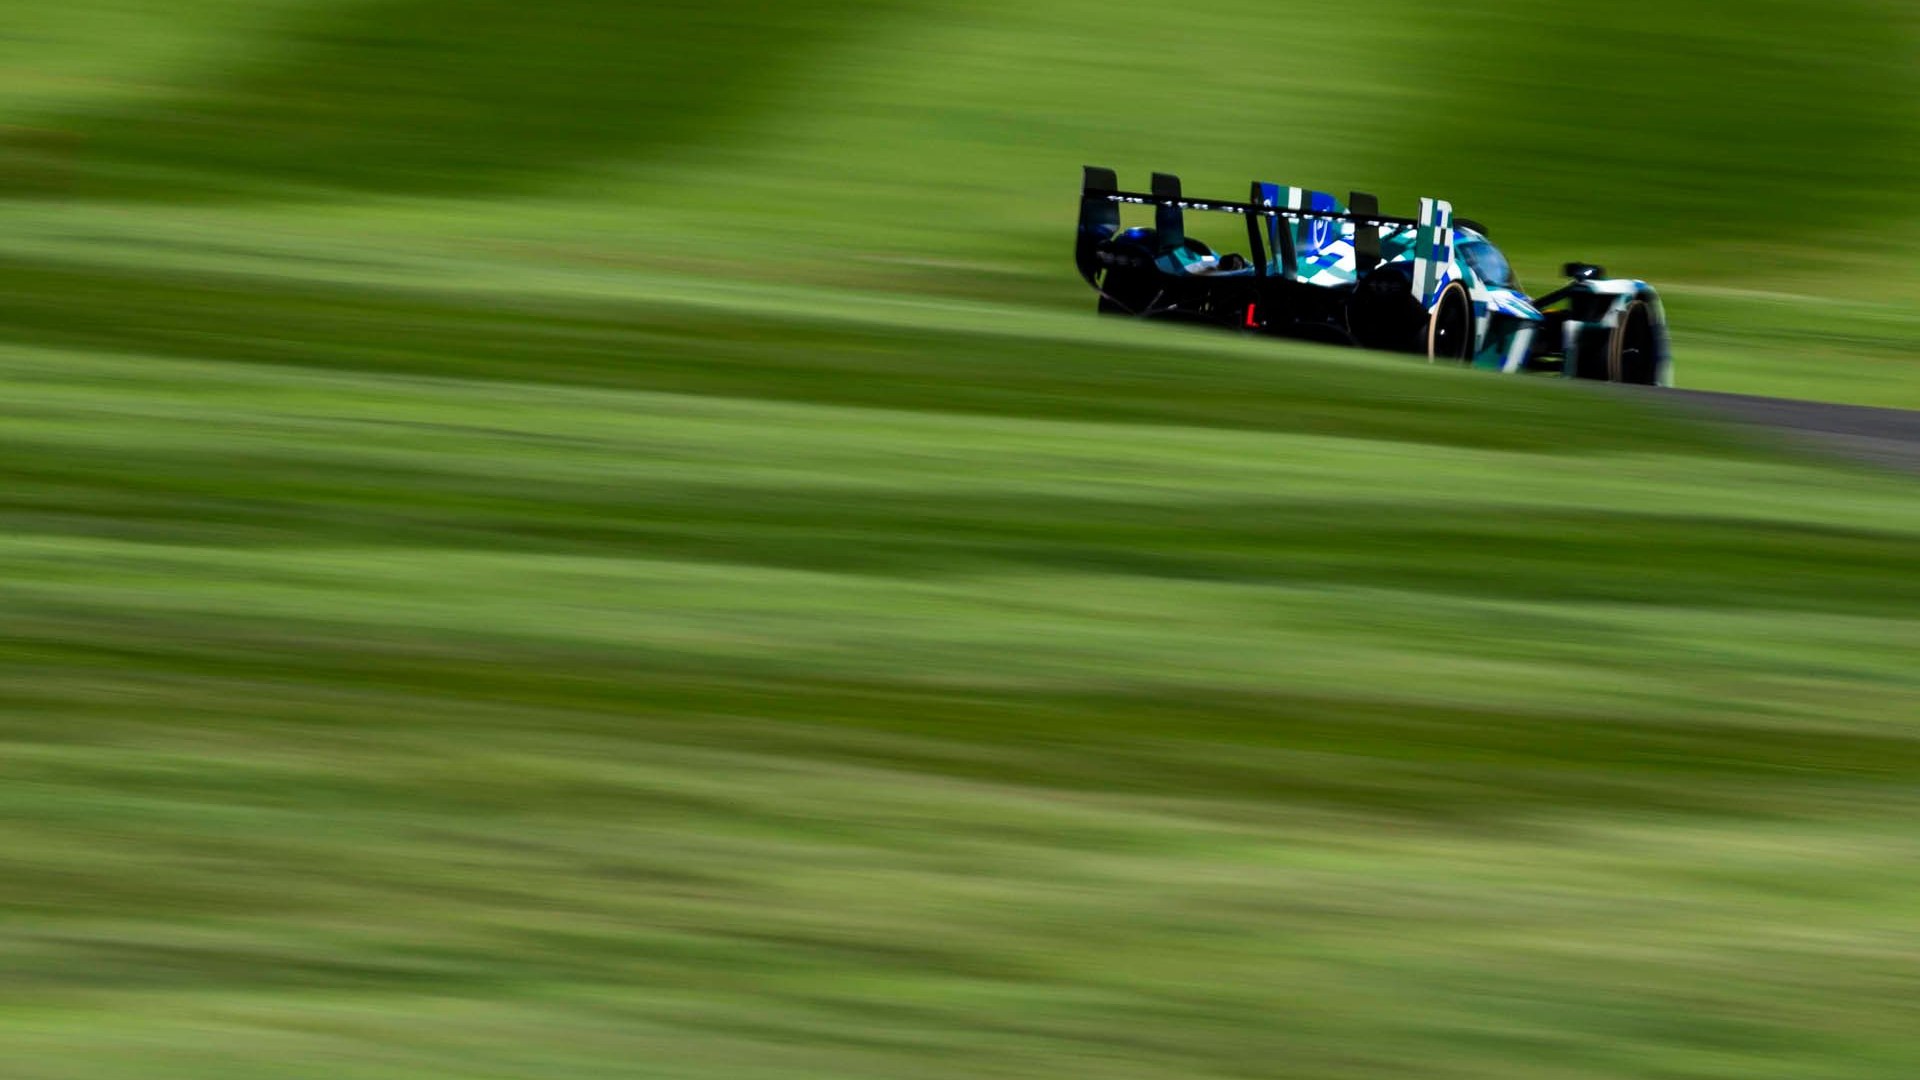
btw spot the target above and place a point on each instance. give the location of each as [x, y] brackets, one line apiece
[1486, 260]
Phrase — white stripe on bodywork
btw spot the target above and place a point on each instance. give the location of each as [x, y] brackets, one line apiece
[1615, 287]
[1481, 300]
[1517, 352]
[1508, 302]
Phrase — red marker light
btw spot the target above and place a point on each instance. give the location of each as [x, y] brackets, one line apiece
[1251, 325]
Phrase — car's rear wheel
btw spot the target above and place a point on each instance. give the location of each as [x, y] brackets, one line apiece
[1632, 354]
[1450, 327]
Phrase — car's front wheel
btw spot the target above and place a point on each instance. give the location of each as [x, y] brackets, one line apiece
[1450, 327]
[1632, 354]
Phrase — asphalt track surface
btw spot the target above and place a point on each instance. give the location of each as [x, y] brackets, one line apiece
[1887, 437]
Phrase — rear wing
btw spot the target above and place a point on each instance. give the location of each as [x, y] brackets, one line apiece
[1279, 229]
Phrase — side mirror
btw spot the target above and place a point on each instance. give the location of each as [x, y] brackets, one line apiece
[1583, 271]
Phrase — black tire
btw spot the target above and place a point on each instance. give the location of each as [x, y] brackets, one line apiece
[1633, 354]
[1450, 327]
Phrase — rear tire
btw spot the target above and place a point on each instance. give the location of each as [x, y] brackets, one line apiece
[1450, 327]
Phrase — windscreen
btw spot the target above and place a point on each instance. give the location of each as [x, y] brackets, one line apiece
[1487, 261]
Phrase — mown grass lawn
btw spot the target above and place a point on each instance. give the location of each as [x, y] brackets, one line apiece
[1001, 719]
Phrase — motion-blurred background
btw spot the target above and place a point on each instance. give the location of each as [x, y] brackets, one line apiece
[598, 539]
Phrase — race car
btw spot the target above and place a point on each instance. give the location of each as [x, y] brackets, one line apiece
[1347, 273]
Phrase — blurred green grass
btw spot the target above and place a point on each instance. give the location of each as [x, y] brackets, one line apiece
[608, 543]
[750, 722]
[458, 96]
[378, 724]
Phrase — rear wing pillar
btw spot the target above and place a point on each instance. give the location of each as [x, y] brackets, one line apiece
[1279, 231]
[1366, 236]
[1169, 222]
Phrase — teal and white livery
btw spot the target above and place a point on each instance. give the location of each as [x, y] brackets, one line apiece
[1320, 268]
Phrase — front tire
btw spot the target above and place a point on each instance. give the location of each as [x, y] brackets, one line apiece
[1633, 355]
[1450, 327]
